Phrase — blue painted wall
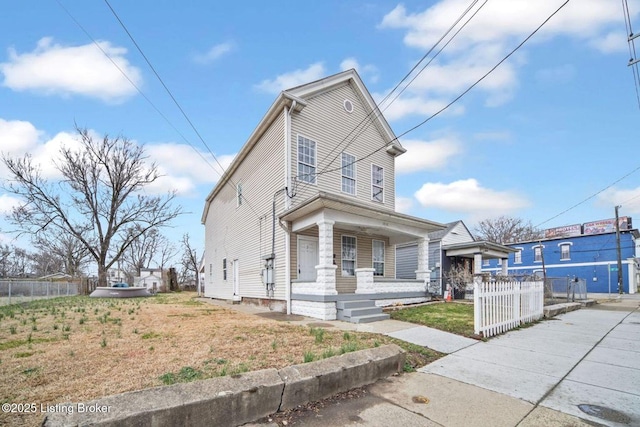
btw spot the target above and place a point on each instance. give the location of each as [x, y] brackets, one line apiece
[590, 258]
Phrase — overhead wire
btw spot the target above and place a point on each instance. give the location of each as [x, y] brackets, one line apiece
[457, 98]
[175, 101]
[368, 120]
[632, 49]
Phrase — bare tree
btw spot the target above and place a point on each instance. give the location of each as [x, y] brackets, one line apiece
[506, 229]
[60, 251]
[190, 262]
[100, 199]
[142, 250]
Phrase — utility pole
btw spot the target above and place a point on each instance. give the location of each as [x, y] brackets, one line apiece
[618, 251]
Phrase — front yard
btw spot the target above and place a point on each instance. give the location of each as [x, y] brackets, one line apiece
[78, 348]
[451, 317]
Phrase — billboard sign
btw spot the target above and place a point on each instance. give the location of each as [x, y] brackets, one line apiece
[606, 225]
[567, 230]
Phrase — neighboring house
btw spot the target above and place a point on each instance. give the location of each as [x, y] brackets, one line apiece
[116, 275]
[304, 217]
[448, 247]
[586, 251]
[152, 279]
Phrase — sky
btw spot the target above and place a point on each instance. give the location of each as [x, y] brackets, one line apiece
[548, 129]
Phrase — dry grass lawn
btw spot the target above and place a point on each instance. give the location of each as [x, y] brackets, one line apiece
[78, 348]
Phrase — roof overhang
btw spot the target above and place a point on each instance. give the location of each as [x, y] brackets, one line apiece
[358, 217]
[487, 249]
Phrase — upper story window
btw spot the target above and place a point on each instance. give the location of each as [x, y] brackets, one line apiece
[378, 257]
[239, 194]
[349, 256]
[517, 256]
[565, 251]
[348, 173]
[377, 183]
[485, 262]
[306, 160]
[537, 253]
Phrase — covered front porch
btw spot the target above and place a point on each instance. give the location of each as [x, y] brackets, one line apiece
[343, 251]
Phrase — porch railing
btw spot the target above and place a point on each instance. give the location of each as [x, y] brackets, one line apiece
[501, 306]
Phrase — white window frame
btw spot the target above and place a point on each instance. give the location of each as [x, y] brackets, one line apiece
[517, 256]
[310, 178]
[225, 265]
[485, 262]
[536, 249]
[562, 246]
[373, 256]
[239, 194]
[343, 259]
[352, 165]
[376, 186]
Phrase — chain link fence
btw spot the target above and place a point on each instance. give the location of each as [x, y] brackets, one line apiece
[19, 291]
[564, 289]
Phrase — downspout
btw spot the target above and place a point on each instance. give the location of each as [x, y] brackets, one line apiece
[287, 202]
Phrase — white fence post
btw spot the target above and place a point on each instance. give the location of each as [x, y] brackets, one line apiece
[501, 306]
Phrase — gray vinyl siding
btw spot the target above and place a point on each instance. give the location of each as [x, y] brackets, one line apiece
[406, 261]
[244, 232]
[325, 121]
[458, 234]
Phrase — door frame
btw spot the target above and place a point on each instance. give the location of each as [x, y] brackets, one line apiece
[308, 238]
[236, 279]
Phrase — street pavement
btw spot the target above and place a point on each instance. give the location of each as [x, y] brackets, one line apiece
[579, 369]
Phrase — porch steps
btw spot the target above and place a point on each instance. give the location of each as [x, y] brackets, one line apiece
[360, 311]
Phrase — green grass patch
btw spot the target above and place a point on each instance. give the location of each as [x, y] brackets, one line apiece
[185, 375]
[150, 335]
[456, 318]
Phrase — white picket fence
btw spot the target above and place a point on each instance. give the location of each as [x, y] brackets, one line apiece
[501, 306]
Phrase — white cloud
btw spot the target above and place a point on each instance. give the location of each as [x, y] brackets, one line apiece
[368, 70]
[498, 27]
[7, 203]
[406, 105]
[426, 155]
[17, 136]
[292, 79]
[468, 196]
[403, 204]
[216, 52]
[183, 168]
[53, 69]
[628, 199]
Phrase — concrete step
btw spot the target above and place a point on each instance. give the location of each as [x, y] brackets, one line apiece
[369, 318]
[364, 311]
[340, 305]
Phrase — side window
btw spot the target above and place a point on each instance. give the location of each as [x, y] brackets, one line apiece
[348, 256]
[348, 174]
[306, 160]
[239, 194]
[377, 183]
[565, 252]
[378, 257]
[224, 269]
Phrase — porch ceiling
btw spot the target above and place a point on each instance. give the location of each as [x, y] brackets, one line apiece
[488, 250]
[359, 218]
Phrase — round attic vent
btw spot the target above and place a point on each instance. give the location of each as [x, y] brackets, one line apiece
[348, 106]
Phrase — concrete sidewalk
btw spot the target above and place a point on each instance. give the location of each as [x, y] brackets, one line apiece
[580, 369]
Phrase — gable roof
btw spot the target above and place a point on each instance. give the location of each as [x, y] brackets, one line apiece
[440, 234]
[295, 98]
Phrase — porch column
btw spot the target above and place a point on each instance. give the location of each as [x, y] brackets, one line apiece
[477, 267]
[423, 273]
[505, 266]
[325, 270]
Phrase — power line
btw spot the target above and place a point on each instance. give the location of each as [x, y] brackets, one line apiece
[175, 101]
[589, 198]
[456, 99]
[633, 61]
[377, 111]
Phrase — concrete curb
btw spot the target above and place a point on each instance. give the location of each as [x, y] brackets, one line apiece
[554, 310]
[236, 400]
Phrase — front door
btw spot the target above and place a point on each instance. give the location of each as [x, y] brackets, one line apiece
[307, 258]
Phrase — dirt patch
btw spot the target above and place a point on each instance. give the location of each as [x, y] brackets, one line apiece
[77, 349]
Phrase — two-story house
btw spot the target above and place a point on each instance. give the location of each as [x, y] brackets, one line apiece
[304, 218]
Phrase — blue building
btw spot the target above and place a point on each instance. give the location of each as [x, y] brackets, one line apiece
[586, 251]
